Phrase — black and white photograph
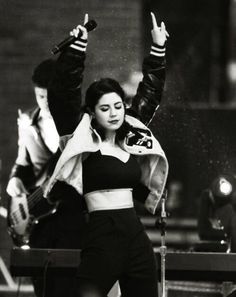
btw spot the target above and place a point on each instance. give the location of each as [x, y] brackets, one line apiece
[118, 148]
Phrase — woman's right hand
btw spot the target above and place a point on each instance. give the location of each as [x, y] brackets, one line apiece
[16, 187]
[75, 32]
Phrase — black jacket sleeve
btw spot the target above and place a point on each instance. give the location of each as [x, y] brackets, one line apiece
[147, 100]
[150, 89]
[64, 92]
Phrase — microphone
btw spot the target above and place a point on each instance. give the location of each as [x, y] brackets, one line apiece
[90, 25]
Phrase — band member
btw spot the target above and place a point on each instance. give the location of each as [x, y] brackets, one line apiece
[110, 157]
[37, 153]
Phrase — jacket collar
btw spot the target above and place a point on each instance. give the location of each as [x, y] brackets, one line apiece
[86, 139]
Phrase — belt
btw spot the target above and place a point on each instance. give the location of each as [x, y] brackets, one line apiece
[109, 199]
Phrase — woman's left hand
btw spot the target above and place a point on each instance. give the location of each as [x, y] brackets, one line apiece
[159, 34]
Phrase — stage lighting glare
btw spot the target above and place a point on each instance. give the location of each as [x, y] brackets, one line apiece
[25, 247]
[225, 187]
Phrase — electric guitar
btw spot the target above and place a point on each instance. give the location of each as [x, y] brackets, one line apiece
[24, 212]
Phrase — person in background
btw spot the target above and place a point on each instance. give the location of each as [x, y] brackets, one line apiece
[110, 157]
[37, 154]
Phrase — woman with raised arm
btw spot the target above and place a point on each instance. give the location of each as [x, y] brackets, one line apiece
[110, 157]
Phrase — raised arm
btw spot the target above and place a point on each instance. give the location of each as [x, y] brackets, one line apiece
[149, 92]
[64, 93]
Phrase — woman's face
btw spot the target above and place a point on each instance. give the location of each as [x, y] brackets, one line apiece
[109, 111]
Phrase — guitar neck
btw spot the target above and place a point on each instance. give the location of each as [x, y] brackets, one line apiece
[35, 197]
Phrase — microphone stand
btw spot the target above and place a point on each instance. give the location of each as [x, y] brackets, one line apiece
[161, 223]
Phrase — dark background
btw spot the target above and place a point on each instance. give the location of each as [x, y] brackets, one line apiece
[195, 123]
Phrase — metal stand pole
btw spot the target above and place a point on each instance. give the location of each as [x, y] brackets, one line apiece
[162, 225]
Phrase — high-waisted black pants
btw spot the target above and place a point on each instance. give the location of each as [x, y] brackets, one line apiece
[117, 248]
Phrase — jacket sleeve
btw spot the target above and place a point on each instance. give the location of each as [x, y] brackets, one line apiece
[64, 92]
[149, 92]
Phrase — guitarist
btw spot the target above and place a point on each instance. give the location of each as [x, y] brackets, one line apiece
[37, 155]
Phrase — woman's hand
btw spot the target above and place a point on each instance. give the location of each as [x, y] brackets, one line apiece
[76, 31]
[159, 34]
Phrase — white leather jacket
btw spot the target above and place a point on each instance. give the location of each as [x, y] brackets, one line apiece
[144, 145]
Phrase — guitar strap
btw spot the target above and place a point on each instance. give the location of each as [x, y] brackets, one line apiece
[48, 167]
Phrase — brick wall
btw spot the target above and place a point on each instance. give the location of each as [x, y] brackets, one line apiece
[29, 29]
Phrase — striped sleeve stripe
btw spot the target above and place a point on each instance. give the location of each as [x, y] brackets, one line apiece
[79, 45]
[157, 51]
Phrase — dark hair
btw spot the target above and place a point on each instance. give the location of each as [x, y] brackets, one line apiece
[43, 73]
[94, 92]
[99, 88]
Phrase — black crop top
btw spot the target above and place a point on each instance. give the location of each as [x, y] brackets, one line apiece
[102, 172]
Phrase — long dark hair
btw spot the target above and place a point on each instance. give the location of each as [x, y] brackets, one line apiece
[94, 92]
